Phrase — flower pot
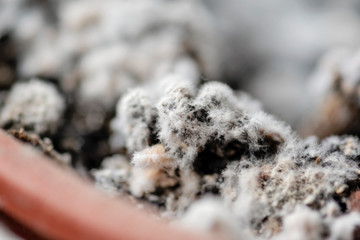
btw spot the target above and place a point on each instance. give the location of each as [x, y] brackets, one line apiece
[56, 203]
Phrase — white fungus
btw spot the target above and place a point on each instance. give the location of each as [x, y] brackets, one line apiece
[346, 227]
[36, 105]
[138, 80]
[303, 223]
[213, 141]
[210, 215]
[134, 121]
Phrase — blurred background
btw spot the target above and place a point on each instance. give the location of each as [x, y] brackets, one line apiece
[98, 49]
[272, 48]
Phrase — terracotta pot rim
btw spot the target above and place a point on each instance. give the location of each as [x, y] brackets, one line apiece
[58, 204]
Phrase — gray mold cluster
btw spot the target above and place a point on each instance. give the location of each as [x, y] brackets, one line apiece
[191, 143]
